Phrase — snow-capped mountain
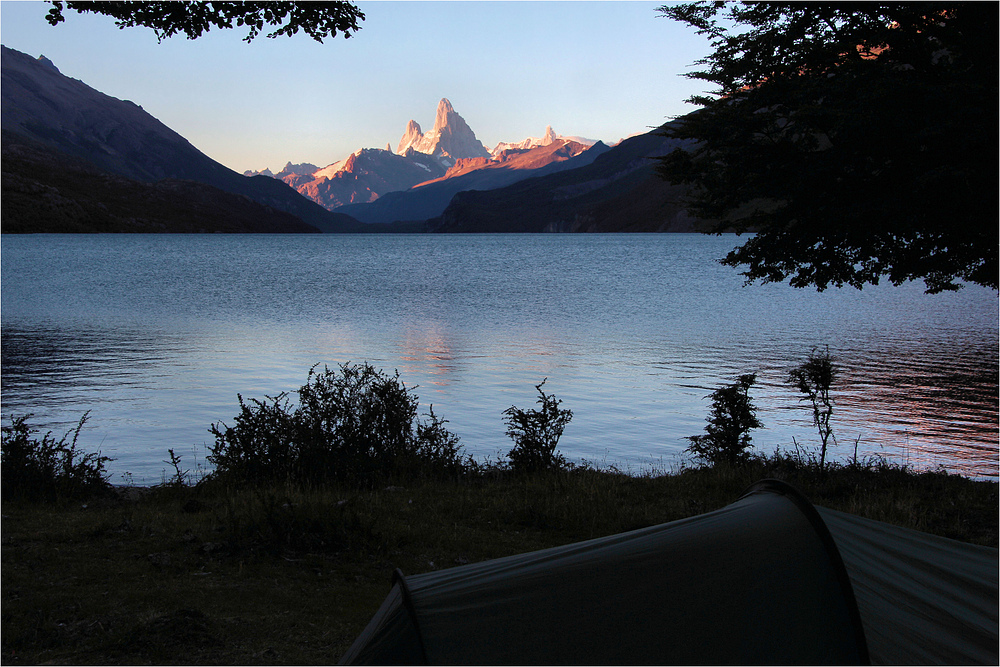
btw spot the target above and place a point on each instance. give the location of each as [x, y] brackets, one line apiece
[430, 198]
[450, 149]
[78, 160]
[364, 176]
[451, 137]
[531, 142]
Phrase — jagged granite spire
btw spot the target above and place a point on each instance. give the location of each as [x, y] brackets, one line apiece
[411, 136]
[451, 136]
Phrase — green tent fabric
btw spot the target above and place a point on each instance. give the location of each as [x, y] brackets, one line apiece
[923, 599]
[761, 581]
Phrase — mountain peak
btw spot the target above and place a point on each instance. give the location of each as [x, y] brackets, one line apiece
[443, 110]
[48, 63]
[411, 136]
[451, 137]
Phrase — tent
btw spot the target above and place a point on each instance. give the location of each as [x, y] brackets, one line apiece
[769, 579]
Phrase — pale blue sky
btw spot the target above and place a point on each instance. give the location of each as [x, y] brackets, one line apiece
[602, 70]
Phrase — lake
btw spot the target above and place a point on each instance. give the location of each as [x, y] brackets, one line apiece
[157, 334]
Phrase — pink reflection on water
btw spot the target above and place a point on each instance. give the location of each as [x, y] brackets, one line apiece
[920, 409]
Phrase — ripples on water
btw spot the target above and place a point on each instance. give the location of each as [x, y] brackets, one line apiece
[156, 335]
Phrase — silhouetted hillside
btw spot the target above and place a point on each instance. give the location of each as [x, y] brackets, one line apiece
[44, 190]
[117, 136]
[430, 199]
[618, 192]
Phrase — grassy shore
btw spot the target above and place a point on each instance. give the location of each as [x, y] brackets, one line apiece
[286, 575]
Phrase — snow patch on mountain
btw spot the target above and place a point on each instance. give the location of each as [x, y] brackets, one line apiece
[338, 167]
[532, 142]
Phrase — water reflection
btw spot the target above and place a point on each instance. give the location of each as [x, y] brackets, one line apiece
[927, 399]
[428, 350]
[629, 403]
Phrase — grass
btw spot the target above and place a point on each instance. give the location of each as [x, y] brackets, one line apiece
[287, 574]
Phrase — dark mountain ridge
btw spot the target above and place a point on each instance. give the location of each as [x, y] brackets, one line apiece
[619, 191]
[45, 190]
[65, 115]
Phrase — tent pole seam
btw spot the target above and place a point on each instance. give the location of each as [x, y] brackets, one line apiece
[826, 538]
[404, 588]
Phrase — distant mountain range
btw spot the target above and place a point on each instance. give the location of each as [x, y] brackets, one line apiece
[429, 199]
[75, 159]
[363, 176]
[448, 151]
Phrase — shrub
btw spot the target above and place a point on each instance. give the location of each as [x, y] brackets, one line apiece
[439, 450]
[352, 422]
[536, 433]
[813, 378]
[49, 469]
[359, 420]
[261, 443]
[732, 417]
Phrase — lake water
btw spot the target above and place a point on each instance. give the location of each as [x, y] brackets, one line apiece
[156, 335]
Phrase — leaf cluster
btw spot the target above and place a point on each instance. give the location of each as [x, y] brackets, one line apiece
[858, 140]
[316, 19]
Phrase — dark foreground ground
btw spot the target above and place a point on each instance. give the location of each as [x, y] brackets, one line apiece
[282, 575]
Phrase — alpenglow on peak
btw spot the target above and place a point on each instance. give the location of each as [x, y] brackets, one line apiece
[451, 137]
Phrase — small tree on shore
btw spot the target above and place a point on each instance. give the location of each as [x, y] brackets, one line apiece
[732, 417]
[536, 432]
[813, 378]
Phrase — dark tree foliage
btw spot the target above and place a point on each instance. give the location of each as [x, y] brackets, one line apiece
[813, 378]
[316, 19]
[536, 433]
[858, 140]
[732, 417]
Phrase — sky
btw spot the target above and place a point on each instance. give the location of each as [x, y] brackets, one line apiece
[600, 70]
